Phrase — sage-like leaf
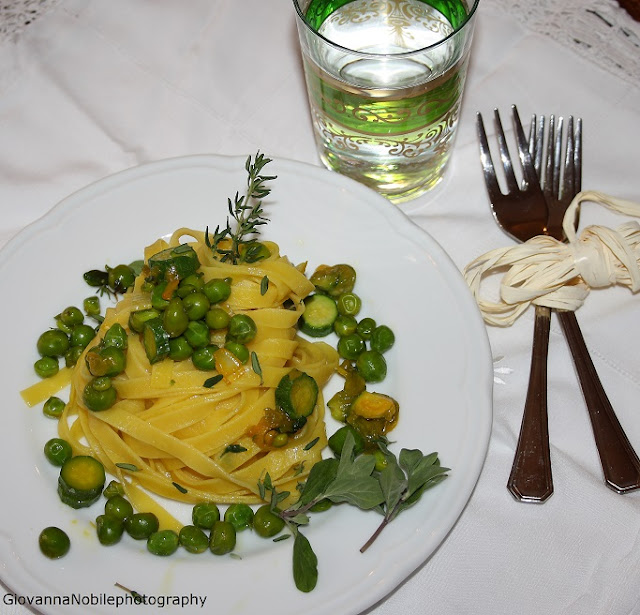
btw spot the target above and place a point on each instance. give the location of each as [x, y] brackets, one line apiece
[305, 564]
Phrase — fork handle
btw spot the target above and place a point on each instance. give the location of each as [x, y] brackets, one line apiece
[619, 461]
[530, 479]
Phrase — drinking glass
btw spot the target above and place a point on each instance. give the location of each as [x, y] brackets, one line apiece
[385, 81]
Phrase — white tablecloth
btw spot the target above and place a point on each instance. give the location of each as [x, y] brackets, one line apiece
[90, 88]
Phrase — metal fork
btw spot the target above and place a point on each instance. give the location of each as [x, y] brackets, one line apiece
[620, 464]
[522, 213]
[530, 479]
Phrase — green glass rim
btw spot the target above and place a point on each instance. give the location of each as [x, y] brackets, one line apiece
[361, 54]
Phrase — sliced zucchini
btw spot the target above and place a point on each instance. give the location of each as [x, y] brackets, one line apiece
[137, 319]
[297, 394]
[320, 312]
[81, 481]
[181, 262]
[156, 340]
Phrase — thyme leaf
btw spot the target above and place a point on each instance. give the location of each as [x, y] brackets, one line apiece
[245, 211]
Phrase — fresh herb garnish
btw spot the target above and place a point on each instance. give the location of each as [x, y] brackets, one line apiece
[128, 466]
[355, 480]
[255, 364]
[211, 382]
[234, 448]
[311, 444]
[180, 488]
[245, 210]
[264, 285]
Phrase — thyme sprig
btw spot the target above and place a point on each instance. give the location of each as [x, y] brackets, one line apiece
[245, 211]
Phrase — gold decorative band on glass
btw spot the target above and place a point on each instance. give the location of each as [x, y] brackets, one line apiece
[385, 80]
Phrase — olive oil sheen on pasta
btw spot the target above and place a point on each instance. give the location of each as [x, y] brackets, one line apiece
[386, 115]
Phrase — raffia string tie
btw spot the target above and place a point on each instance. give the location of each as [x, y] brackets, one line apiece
[548, 272]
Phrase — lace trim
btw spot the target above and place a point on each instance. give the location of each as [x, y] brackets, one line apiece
[598, 30]
[16, 15]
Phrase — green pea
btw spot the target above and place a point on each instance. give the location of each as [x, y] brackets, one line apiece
[193, 539]
[351, 346]
[282, 439]
[242, 328]
[175, 319]
[113, 488]
[91, 306]
[217, 318]
[336, 441]
[141, 525]
[46, 367]
[196, 305]
[204, 358]
[345, 324]
[204, 515]
[72, 355]
[109, 529]
[99, 394]
[106, 361]
[81, 335]
[366, 327]
[121, 278]
[54, 542]
[119, 507]
[266, 523]
[217, 290]
[240, 516]
[163, 543]
[382, 338]
[57, 451]
[71, 316]
[53, 343]
[239, 350]
[223, 538]
[53, 407]
[191, 284]
[372, 366]
[179, 348]
[349, 304]
[197, 334]
[116, 336]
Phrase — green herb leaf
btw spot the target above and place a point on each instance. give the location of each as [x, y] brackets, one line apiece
[211, 382]
[233, 448]
[322, 474]
[245, 210]
[305, 564]
[255, 364]
[311, 444]
[264, 285]
[180, 488]
[128, 466]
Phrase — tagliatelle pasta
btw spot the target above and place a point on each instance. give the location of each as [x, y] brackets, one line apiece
[168, 434]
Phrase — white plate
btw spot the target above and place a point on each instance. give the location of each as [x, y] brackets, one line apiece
[440, 371]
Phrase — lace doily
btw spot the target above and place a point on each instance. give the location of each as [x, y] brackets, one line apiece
[545, 271]
[599, 30]
[16, 15]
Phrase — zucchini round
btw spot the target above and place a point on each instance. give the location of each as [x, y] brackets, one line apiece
[81, 481]
[320, 312]
[297, 394]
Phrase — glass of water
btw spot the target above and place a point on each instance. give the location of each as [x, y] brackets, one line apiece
[385, 81]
